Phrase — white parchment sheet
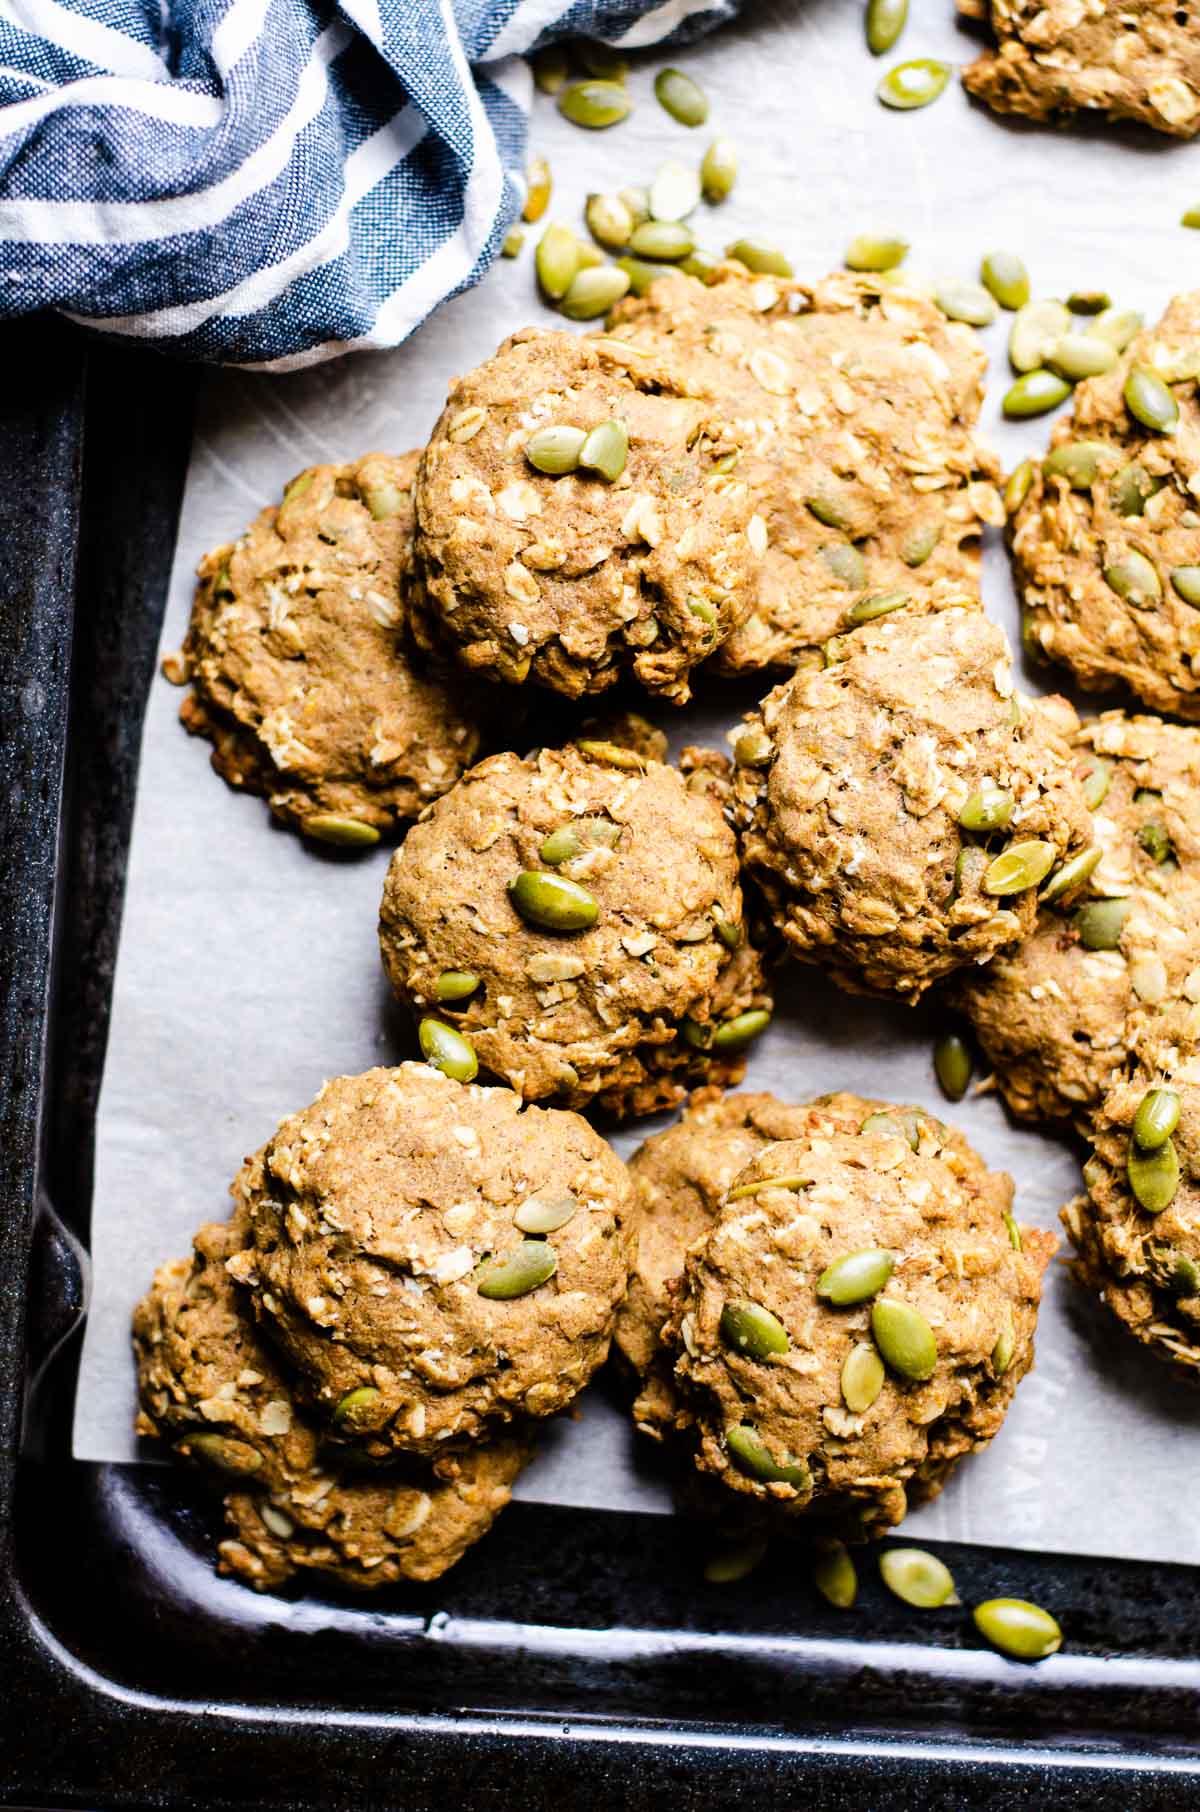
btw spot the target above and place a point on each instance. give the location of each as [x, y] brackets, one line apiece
[249, 970]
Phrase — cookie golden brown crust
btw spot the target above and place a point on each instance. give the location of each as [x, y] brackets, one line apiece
[861, 400]
[371, 1214]
[574, 581]
[1095, 566]
[942, 1216]
[1058, 1019]
[850, 785]
[301, 675]
[623, 1013]
[1127, 59]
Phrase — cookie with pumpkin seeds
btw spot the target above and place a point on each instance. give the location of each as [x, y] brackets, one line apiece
[1106, 541]
[1117, 940]
[1136, 60]
[856, 1321]
[301, 671]
[861, 398]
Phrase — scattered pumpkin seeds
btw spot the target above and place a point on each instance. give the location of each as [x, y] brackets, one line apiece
[556, 261]
[753, 1330]
[835, 1575]
[918, 1577]
[343, 833]
[570, 840]
[1096, 783]
[664, 240]
[595, 104]
[1071, 875]
[1018, 486]
[222, 1452]
[875, 252]
[1078, 461]
[915, 84]
[642, 273]
[455, 984]
[1081, 355]
[1020, 866]
[1012, 1229]
[593, 292]
[1134, 579]
[734, 1034]
[602, 60]
[855, 1277]
[894, 1128]
[952, 1066]
[360, 1410]
[1005, 1347]
[1099, 923]
[681, 97]
[543, 1214]
[675, 191]
[555, 450]
[862, 1378]
[718, 170]
[512, 1274]
[845, 563]
[1088, 301]
[447, 1050]
[1004, 276]
[512, 243]
[1155, 839]
[1118, 326]
[1018, 1628]
[539, 184]
[701, 264]
[962, 300]
[989, 808]
[878, 604]
[750, 1454]
[1156, 1118]
[606, 449]
[763, 260]
[886, 20]
[920, 542]
[1149, 400]
[552, 902]
[1037, 326]
[609, 221]
[736, 1562]
[1153, 1175]
[1190, 217]
[1034, 394]
[550, 68]
[904, 1338]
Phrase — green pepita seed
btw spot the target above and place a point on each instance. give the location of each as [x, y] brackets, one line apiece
[750, 1454]
[516, 1273]
[539, 184]
[675, 191]
[952, 1066]
[1153, 1175]
[1071, 875]
[1037, 326]
[1088, 301]
[593, 292]
[1132, 488]
[1190, 217]
[988, 809]
[845, 563]
[609, 221]
[594, 104]
[728, 930]
[1017, 1628]
[763, 260]
[1099, 923]
[562, 845]
[970, 866]
[904, 1338]
[1020, 483]
[729, 1565]
[222, 1453]
[704, 266]
[761, 1183]
[1155, 839]
[1005, 1347]
[360, 1411]
[1096, 783]
[343, 833]
[642, 273]
[1034, 394]
[514, 240]
[455, 984]
[871, 252]
[447, 1050]
[753, 1330]
[550, 68]
[855, 1277]
[1020, 866]
[666, 240]
[1185, 582]
[1118, 326]
[606, 449]
[914, 84]
[886, 20]
[1149, 400]
[589, 256]
[966, 301]
[555, 451]
[1004, 275]
[601, 60]
[1081, 355]
[543, 1214]
[718, 171]
[1012, 1229]
[878, 604]
[682, 98]
[862, 1378]
[1078, 461]
[556, 261]
[637, 200]
[738, 1032]
[1156, 1118]
[893, 1127]
[1180, 1273]
[1134, 579]
[552, 902]
[921, 541]
[570, 840]
[835, 1576]
[753, 748]
[917, 1577]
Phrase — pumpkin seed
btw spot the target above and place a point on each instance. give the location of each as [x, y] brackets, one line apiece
[543, 1214]
[1178, 1272]
[718, 170]
[750, 1455]
[1004, 275]
[1070, 875]
[1156, 1118]
[609, 221]
[455, 984]
[642, 273]
[1149, 400]
[1132, 488]
[556, 261]
[1005, 1347]
[893, 1128]
[988, 809]
[904, 1338]
[917, 1577]
[550, 68]
[343, 833]
[666, 240]
[1020, 866]
[962, 300]
[682, 98]
[917, 546]
[703, 265]
[601, 60]
[552, 902]
[879, 604]
[1037, 326]
[594, 104]
[360, 1411]
[739, 1031]
[1155, 839]
[516, 1273]
[952, 1066]
[1096, 784]
[1020, 483]
[1088, 301]
[1118, 326]
[1078, 461]
[729, 932]
[855, 1277]
[1012, 1229]
[1153, 1175]
[1018, 1628]
[570, 840]
[870, 252]
[970, 866]
[593, 292]
[1185, 582]
[637, 200]
[447, 1050]
[512, 243]
[555, 451]
[845, 563]
[1134, 579]
[221, 1452]
[753, 1330]
[729, 1565]
[1099, 923]
[763, 260]
[862, 1378]
[675, 191]
[753, 748]
[1190, 217]
[913, 84]
[886, 20]
[606, 450]
[761, 1183]
[539, 184]
[1081, 355]
[1034, 394]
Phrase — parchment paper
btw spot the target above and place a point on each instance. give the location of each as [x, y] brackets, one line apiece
[249, 970]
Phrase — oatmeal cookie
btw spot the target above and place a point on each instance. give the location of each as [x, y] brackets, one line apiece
[1106, 545]
[577, 917]
[901, 806]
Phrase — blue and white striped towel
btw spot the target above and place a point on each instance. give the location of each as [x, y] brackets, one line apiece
[272, 182]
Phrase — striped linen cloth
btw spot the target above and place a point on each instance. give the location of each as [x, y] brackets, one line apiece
[270, 183]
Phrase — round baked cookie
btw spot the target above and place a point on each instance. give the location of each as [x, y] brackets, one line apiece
[680, 1178]
[1058, 1016]
[209, 1386]
[1140, 1253]
[1136, 60]
[856, 1321]
[573, 581]
[396, 1260]
[1104, 571]
[861, 399]
[646, 995]
[865, 790]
